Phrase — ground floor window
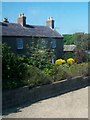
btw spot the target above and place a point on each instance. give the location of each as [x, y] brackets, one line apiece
[19, 42]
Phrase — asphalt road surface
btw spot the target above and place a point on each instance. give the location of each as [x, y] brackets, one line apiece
[70, 105]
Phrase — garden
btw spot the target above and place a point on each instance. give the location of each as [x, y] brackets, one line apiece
[37, 69]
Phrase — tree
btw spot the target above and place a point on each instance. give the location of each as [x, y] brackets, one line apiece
[82, 46]
[69, 39]
[81, 40]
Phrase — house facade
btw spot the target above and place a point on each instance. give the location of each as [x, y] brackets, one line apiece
[20, 35]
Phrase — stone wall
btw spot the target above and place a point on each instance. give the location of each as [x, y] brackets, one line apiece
[24, 95]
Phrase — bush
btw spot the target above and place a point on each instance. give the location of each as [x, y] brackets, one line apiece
[77, 69]
[60, 61]
[65, 71]
[70, 61]
[35, 77]
[39, 57]
[17, 70]
[68, 55]
[56, 73]
[13, 69]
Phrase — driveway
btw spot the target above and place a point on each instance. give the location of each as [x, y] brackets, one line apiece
[70, 105]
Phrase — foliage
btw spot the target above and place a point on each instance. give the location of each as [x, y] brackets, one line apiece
[17, 71]
[14, 69]
[58, 73]
[68, 55]
[77, 69]
[0, 49]
[81, 40]
[39, 57]
[81, 56]
[88, 56]
[69, 39]
[35, 77]
[36, 70]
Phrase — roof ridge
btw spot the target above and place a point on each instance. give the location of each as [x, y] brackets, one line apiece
[26, 24]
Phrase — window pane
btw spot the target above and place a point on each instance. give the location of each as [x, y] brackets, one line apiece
[19, 43]
[53, 43]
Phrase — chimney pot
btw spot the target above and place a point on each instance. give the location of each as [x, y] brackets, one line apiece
[50, 22]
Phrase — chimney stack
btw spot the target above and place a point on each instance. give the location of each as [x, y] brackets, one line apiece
[22, 19]
[50, 22]
[5, 20]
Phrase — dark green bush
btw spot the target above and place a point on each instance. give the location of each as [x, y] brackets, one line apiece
[17, 71]
[13, 69]
[68, 55]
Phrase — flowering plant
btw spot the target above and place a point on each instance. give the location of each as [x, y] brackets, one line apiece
[70, 61]
[60, 61]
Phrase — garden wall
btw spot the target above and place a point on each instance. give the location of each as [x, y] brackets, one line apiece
[24, 95]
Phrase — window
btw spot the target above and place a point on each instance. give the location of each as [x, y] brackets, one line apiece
[19, 43]
[53, 43]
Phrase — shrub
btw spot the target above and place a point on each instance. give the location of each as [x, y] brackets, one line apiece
[56, 72]
[70, 61]
[35, 77]
[14, 69]
[77, 69]
[39, 57]
[60, 61]
[68, 55]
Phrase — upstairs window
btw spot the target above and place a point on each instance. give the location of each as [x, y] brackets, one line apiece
[19, 43]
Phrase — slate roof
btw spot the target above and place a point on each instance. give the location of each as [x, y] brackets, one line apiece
[15, 29]
[69, 48]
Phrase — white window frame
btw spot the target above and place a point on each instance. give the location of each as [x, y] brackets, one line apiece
[19, 42]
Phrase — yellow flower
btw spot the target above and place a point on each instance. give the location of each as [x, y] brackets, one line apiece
[63, 61]
[60, 61]
[70, 61]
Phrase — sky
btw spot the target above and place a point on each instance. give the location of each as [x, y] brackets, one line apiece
[70, 17]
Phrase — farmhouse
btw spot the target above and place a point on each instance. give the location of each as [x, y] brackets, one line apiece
[19, 35]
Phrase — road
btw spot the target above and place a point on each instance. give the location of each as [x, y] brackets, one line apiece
[71, 105]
